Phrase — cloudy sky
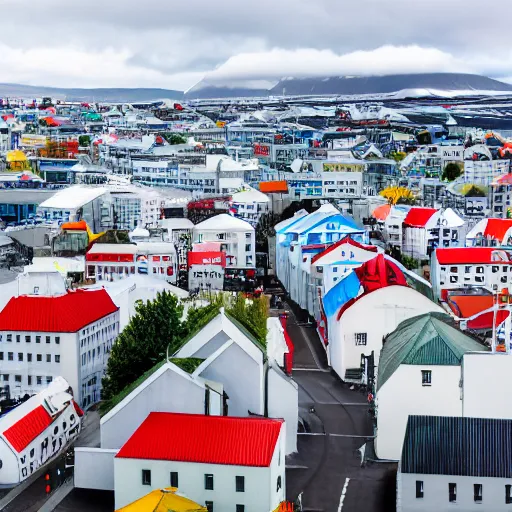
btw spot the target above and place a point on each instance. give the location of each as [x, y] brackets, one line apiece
[173, 43]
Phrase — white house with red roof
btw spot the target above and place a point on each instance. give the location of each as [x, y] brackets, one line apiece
[68, 335]
[490, 233]
[470, 267]
[36, 430]
[424, 229]
[224, 463]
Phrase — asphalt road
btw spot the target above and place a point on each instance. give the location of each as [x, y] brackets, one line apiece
[328, 468]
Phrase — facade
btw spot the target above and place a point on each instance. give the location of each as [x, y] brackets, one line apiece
[500, 196]
[37, 430]
[112, 262]
[220, 462]
[419, 231]
[249, 205]
[419, 373]
[447, 464]
[67, 335]
[236, 238]
[490, 233]
[465, 267]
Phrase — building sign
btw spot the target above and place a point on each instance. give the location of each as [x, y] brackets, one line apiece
[207, 258]
[33, 140]
[341, 167]
[261, 150]
[206, 277]
[452, 152]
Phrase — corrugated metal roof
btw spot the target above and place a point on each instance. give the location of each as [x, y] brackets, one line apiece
[204, 439]
[472, 255]
[64, 313]
[26, 429]
[442, 445]
[424, 340]
[418, 217]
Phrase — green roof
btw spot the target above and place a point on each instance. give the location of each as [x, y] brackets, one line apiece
[187, 364]
[425, 340]
[260, 344]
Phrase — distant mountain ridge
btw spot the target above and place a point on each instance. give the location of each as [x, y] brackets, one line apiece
[119, 94]
[342, 85]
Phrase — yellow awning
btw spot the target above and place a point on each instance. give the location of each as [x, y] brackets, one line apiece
[163, 500]
[16, 156]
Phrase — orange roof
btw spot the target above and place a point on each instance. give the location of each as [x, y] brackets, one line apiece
[469, 305]
[381, 212]
[274, 187]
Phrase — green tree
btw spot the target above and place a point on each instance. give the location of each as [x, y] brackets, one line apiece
[452, 171]
[175, 138]
[84, 141]
[143, 342]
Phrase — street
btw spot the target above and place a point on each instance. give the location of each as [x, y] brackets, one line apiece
[327, 468]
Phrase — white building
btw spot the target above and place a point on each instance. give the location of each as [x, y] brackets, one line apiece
[221, 462]
[419, 373]
[79, 202]
[236, 236]
[36, 430]
[249, 205]
[253, 382]
[447, 464]
[68, 335]
[500, 195]
[465, 267]
[384, 309]
[490, 233]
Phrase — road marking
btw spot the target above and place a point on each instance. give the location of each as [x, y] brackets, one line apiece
[343, 494]
[325, 370]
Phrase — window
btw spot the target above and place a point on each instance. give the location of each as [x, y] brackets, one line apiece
[494, 269]
[360, 338]
[9, 338]
[208, 482]
[209, 505]
[479, 279]
[28, 339]
[49, 380]
[247, 247]
[39, 357]
[48, 358]
[29, 380]
[279, 485]
[38, 339]
[419, 489]
[508, 494]
[174, 479]
[20, 356]
[57, 340]
[454, 279]
[426, 377]
[146, 477]
[17, 378]
[479, 270]
[454, 270]
[247, 236]
[39, 380]
[18, 338]
[29, 358]
[10, 356]
[452, 492]
[47, 339]
[240, 508]
[1, 356]
[240, 484]
[478, 492]
[5, 378]
[57, 359]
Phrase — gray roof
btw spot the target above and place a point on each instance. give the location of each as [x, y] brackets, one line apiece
[442, 445]
[427, 339]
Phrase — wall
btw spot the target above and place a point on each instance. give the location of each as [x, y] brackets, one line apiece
[403, 394]
[435, 489]
[160, 395]
[9, 472]
[283, 402]
[486, 377]
[94, 468]
[212, 345]
[241, 377]
[256, 498]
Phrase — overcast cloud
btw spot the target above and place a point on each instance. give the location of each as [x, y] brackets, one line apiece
[173, 44]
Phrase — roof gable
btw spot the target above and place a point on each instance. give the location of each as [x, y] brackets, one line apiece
[204, 439]
[418, 217]
[497, 228]
[424, 340]
[349, 243]
[27, 428]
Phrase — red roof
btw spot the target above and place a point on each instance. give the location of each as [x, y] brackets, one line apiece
[26, 429]
[497, 228]
[418, 217]
[346, 240]
[64, 313]
[78, 409]
[204, 439]
[472, 255]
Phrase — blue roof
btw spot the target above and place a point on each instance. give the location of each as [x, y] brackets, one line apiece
[456, 446]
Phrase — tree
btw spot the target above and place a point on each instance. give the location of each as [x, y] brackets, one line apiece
[175, 138]
[84, 141]
[452, 171]
[143, 342]
[398, 195]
